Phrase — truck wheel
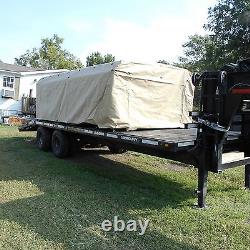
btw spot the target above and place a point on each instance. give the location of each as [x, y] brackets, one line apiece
[43, 138]
[116, 149]
[60, 144]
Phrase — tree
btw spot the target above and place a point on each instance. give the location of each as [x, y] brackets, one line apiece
[229, 21]
[164, 62]
[200, 54]
[97, 58]
[50, 55]
[229, 40]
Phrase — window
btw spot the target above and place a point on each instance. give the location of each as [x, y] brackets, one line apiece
[8, 81]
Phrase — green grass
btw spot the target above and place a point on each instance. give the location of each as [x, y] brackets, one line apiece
[48, 203]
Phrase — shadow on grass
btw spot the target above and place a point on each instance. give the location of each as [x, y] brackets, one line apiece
[78, 194]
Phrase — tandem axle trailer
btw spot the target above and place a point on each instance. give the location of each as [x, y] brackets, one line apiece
[222, 126]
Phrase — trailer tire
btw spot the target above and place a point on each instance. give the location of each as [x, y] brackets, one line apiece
[43, 138]
[60, 144]
[116, 149]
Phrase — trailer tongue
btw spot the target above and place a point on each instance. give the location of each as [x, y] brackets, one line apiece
[222, 126]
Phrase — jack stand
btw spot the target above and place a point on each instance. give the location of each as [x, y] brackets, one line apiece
[247, 176]
[202, 187]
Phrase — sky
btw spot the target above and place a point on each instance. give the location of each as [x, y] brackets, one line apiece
[132, 30]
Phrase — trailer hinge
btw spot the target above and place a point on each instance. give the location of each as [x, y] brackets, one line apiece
[212, 125]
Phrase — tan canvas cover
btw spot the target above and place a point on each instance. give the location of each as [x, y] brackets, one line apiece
[118, 95]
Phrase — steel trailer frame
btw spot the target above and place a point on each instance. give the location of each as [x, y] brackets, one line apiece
[225, 96]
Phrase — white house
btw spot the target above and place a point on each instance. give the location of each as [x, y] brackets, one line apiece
[16, 82]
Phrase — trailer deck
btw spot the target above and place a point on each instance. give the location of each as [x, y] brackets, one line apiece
[166, 139]
[169, 139]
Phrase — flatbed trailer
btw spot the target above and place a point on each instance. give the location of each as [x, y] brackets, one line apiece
[221, 126]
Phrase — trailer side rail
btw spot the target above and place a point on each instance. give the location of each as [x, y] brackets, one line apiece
[127, 137]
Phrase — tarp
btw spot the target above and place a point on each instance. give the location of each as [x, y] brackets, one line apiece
[118, 95]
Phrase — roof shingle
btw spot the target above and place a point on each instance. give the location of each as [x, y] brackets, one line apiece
[16, 68]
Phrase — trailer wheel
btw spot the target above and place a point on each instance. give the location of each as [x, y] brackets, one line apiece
[116, 149]
[43, 138]
[60, 144]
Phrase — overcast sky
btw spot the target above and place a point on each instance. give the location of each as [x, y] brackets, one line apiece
[132, 30]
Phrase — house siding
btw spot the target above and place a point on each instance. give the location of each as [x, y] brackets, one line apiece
[24, 82]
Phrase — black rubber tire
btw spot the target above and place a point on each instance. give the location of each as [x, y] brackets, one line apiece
[43, 138]
[116, 149]
[60, 144]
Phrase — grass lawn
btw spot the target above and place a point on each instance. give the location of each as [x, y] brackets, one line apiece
[48, 203]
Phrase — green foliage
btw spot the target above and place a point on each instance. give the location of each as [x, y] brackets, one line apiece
[50, 55]
[229, 21]
[229, 40]
[164, 62]
[97, 58]
[200, 53]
